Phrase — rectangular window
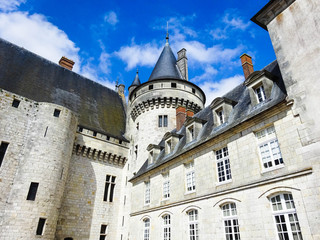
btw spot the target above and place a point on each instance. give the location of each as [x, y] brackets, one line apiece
[56, 113]
[166, 186]
[146, 230]
[40, 227]
[231, 224]
[261, 96]
[15, 103]
[173, 85]
[269, 149]
[3, 149]
[191, 135]
[163, 121]
[223, 165]
[166, 227]
[32, 191]
[220, 115]
[147, 193]
[150, 87]
[169, 146]
[190, 177]
[109, 188]
[103, 232]
[193, 225]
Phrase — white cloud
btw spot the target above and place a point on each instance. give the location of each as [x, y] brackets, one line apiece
[209, 72]
[198, 52]
[218, 89]
[230, 23]
[10, 5]
[139, 55]
[104, 62]
[235, 22]
[111, 18]
[36, 34]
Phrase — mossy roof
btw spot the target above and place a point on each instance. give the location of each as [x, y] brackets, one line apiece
[29, 75]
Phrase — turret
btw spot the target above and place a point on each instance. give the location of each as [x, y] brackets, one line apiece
[153, 104]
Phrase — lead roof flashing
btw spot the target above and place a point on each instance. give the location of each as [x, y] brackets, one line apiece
[270, 11]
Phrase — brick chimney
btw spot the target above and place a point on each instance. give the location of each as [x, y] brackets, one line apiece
[247, 66]
[190, 113]
[66, 63]
[180, 117]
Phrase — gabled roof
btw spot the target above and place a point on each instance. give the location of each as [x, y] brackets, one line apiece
[166, 66]
[31, 76]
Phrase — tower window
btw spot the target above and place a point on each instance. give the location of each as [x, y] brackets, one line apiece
[109, 188]
[150, 87]
[40, 227]
[193, 90]
[15, 103]
[103, 231]
[56, 113]
[163, 121]
[32, 191]
[173, 85]
[3, 149]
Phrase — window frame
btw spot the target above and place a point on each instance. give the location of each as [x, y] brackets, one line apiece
[225, 172]
[109, 188]
[266, 137]
[166, 220]
[147, 193]
[162, 121]
[220, 116]
[285, 212]
[230, 221]
[166, 186]
[190, 177]
[103, 234]
[193, 224]
[261, 92]
[146, 228]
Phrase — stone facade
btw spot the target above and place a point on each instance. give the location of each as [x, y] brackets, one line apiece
[74, 165]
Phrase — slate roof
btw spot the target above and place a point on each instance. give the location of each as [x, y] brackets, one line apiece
[136, 81]
[29, 75]
[166, 66]
[241, 112]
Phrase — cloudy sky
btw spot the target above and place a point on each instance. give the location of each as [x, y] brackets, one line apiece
[111, 39]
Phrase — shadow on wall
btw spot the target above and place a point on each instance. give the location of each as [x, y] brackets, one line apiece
[77, 207]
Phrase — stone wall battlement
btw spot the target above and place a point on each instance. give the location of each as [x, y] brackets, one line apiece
[100, 155]
[164, 102]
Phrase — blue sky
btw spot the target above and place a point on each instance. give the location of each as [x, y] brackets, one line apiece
[111, 39]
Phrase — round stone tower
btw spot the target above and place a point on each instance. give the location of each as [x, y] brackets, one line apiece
[153, 106]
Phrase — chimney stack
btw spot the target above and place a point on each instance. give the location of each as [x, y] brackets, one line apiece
[121, 88]
[183, 63]
[180, 117]
[190, 113]
[66, 63]
[247, 66]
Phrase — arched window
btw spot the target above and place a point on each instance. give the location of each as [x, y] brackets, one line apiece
[230, 219]
[166, 227]
[146, 230]
[285, 217]
[193, 225]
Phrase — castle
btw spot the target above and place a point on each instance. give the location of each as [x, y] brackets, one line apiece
[78, 162]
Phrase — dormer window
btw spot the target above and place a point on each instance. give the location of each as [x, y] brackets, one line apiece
[261, 96]
[191, 132]
[169, 145]
[220, 116]
[260, 85]
[171, 140]
[154, 151]
[221, 110]
[193, 128]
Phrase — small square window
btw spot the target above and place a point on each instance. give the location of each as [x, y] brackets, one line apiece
[173, 85]
[15, 103]
[80, 129]
[150, 87]
[56, 113]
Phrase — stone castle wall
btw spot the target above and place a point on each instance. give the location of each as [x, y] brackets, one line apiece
[39, 151]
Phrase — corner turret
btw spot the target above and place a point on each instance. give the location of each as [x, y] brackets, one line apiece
[136, 82]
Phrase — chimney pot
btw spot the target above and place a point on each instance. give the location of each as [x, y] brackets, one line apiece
[190, 113]
[66, 63]
[247, 66]
[180, 117]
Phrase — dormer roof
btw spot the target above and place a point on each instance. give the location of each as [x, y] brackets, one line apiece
[166, 66]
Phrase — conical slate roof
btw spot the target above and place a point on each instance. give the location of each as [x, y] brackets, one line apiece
[136, 81]
[166, 66]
